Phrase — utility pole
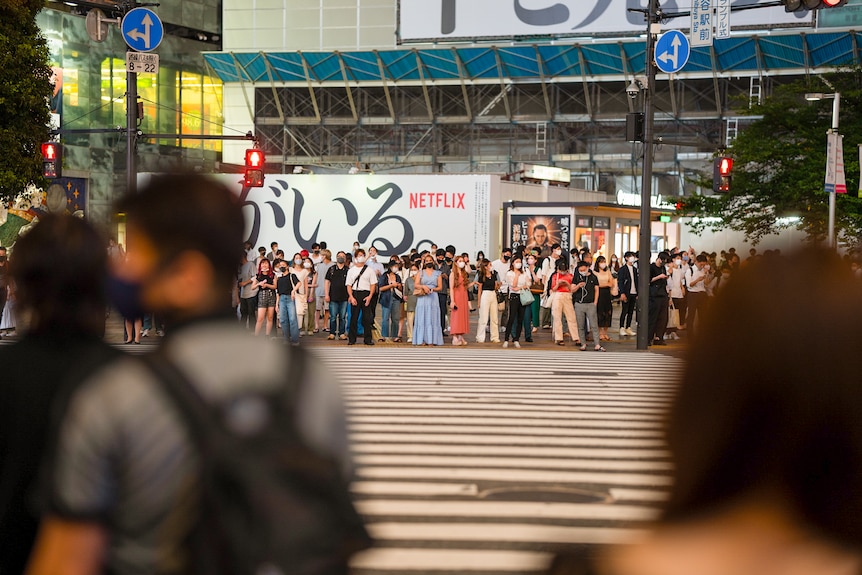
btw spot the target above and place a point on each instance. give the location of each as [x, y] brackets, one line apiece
[131, 119]
[644, 251]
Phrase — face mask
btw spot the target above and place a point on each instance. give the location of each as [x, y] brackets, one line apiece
[360, 260]
[126, 297]
[614, 260]
[306, 265]
[413, 273]
[355, 247]
[317, 251]
[603, 266]
[429, 265]
[518, 265]
[340, 260]
[630, 260]
[283, 270]
[584, 273]
[531, 261]
[685, 257]
[297, 261]
[678, 262]
[395, 269]
[462, 265]
[506, 258]
[2, 259]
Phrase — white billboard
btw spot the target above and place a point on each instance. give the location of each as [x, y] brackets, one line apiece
[394, 213]
[436, 19]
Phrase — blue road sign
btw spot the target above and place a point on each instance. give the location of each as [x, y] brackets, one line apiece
[142, 30]
[672, 51]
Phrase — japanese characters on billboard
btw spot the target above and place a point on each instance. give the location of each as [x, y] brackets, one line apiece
[440, 19]
[540, 230]
[394, 213]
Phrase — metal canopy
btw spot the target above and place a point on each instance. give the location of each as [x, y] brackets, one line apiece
[787, 53]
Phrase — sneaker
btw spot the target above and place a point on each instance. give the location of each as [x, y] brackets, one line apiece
[342, 336]
[331, 336]
[535, 329]
[160, 332]
[506, 344]
[629, 331]
[518, 345]
[145, 333]
[623, 331]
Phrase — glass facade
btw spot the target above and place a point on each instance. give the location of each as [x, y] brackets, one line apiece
[182, 99]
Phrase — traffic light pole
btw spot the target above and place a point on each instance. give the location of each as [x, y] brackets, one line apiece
[131, 120]
[644, 251]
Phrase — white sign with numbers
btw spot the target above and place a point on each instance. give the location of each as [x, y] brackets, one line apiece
[139, 62]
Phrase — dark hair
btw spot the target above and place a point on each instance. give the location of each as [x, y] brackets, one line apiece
[781, 418]
[540, 227]
[701, 258]
[59, 269]
[190, 212]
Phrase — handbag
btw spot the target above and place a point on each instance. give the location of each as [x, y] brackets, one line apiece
[501, 297]
[526, 297]
[672, 317]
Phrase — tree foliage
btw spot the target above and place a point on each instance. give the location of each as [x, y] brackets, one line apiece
[24, 91]
[780, 166]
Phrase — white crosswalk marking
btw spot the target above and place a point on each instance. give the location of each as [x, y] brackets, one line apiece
[487, 462]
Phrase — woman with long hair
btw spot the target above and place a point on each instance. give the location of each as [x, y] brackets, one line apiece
[459, 320]
[429, 283]
[604, 307]
[265, 282]
[488, 283]
[517, 279]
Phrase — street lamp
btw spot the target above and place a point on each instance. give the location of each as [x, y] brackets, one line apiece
[836, 106]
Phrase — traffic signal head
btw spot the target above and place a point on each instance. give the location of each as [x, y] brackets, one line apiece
[722, 173]
[255, 160]
[801, 5]
[51, 159]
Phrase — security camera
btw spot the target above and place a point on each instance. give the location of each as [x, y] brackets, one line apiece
[633, 90]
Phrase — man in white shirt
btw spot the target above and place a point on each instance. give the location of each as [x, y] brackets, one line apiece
[696, 279]
[676, 283]
[361, 285]
[501, 266]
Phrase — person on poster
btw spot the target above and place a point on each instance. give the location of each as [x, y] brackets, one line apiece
[540, 240]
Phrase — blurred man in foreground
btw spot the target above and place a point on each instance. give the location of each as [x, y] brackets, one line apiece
[124, 485]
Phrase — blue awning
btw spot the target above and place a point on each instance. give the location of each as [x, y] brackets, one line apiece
[787, 53]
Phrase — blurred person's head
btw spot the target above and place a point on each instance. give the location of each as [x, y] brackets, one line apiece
[601, 264]
[181, 263]
[781, 424]
[59, 270]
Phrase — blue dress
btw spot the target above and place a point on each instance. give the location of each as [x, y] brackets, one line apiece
[426, 322]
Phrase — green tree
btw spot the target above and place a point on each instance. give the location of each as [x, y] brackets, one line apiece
[780, 165]
[24, 91]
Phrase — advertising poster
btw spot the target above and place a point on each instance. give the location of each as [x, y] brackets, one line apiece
[540, 230]
[394, 213]
[441, 19]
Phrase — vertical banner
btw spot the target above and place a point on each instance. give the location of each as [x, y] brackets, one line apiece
[722, 19]
[535, 229]
[701, 23]
[860, 175]
[835, 181]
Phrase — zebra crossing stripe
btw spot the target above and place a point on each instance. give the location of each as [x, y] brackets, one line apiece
[508, 450]
[511, 462]
[514, 476]
[401, 560]
[549, 431]
[501, 533]
[540, 440]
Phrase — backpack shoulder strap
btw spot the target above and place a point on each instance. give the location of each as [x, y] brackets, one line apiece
[197, 415]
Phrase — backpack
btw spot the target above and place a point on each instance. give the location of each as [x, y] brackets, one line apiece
[269, 503]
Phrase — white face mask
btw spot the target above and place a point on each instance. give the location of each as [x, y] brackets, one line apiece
[518, 265]
[678, 262]
[462, 265]
[558, 253]
[297, 261]
[531, 261]
[630, 260]
[603, 266]
[307, 265]
[360, 260]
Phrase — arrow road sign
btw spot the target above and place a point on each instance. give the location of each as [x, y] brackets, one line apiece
[672, 52]
[142, 30]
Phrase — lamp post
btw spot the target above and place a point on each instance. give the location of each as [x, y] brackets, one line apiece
[836, 106]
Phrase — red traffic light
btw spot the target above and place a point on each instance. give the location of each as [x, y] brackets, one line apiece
[49, 151]
[254, 158]
[725, 166]
[51, 162]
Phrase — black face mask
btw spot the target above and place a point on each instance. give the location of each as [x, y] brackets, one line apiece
[506, 258]
[2, 259]
[429, 265]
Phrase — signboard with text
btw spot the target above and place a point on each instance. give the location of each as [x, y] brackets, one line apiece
[476, 19]
[394, 213]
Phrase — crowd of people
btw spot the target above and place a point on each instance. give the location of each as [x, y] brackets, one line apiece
[427, 295]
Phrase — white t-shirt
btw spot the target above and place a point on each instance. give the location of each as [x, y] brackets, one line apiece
[368, 279]
[502, 268]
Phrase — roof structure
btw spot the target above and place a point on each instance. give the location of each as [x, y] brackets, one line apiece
[783, 53]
